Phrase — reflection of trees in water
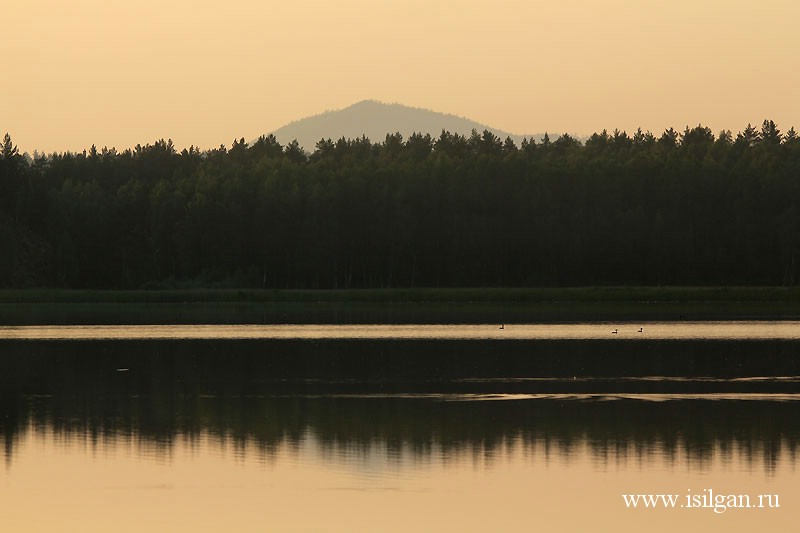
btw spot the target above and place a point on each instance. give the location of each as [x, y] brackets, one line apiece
[273, 395]
[695, 432]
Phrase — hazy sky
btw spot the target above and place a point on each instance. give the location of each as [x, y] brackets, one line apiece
[118, 73]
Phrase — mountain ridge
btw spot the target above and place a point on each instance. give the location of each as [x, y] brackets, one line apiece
[375, 120]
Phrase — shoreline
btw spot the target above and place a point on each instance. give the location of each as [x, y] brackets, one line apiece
[398, 306]
[511, 295]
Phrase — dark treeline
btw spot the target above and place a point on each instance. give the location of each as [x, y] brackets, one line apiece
[681, 208]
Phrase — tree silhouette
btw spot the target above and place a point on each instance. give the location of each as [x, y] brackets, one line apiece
[683, 208]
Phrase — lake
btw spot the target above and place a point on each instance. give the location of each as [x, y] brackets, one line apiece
[462, 427]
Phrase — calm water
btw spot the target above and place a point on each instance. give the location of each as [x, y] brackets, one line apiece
[367, 428]
[745, 330]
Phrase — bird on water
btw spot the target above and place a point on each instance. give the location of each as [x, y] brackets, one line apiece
[615, 331]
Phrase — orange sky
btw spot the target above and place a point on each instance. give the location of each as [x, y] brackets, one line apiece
[116, 73]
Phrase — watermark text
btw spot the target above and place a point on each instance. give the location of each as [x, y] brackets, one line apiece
[705, 499]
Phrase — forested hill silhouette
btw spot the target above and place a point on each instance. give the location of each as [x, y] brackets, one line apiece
[375, 119]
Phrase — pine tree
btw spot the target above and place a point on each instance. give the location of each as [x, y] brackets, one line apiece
[9, 151]
[770, 133]
[749, 136]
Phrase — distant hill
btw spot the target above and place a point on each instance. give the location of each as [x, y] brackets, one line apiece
[376, 119]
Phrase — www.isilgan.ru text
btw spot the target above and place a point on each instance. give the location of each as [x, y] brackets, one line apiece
[706, 499]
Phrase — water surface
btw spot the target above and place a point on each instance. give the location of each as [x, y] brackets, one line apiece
[365, 428]
[745, 330]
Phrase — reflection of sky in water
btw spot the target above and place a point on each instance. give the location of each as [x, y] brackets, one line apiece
[211, 483]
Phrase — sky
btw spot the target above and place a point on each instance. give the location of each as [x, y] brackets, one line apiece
[120, 73]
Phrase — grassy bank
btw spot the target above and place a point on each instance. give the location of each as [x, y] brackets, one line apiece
[398, 306]
[458, 295]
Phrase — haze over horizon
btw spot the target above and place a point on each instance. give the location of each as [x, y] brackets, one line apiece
[115, 73]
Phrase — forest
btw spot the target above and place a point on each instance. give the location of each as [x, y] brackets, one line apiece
[682, 208]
